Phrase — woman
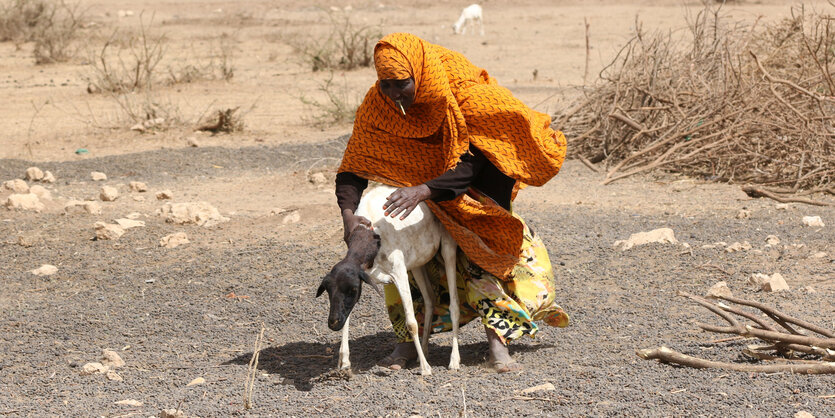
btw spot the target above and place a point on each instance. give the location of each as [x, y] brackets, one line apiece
[446, 133]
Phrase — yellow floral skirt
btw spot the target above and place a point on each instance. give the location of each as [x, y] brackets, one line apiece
[508, 307]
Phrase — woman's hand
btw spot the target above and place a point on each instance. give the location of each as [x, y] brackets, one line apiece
[351, 221]
[403, 201]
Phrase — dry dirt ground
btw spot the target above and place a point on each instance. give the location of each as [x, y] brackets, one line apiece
[195, 311]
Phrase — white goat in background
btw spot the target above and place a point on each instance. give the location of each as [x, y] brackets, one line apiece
[469, 17]
[385, 255]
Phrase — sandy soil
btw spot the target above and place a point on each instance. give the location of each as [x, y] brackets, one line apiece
[195, 311]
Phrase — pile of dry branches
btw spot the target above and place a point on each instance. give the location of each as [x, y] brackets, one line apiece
[735, 103]
[811, 354]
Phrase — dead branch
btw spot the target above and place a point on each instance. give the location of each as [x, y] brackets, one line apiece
[774, 313]
[761, 192]
[667, 355]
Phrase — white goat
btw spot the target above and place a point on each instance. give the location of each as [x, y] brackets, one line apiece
[469, 16]
[404, 245]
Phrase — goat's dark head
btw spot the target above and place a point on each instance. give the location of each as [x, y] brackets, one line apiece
[344, 286]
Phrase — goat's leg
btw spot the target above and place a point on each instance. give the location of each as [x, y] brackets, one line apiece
[400, 278]
[481, 25]
[448, 252]
[425, 287]
[344, 360]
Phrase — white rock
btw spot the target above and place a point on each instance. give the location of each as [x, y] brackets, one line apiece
[16, 185]
[164, 195]
[764, 282]
[772, 240]
[200, 213]
[809, 289]
[196, 381]
[27, 201]
[93, 368]
[112, 375]
[138, 186]
[48, 177]
[815, 221]
[138, 127]
[129, 402]
[98, 176]
[138, 198]
[318, 179]
[819, 254]
[45, 270]
[129, 223]
[192, 142]
[803, 414]
[108, 231]
[174, 240]
[743, 214]
[291, 218]
[172, 413]
[540, 388]
[77, 206]
[109, 193]
[737, 246]
[719, 289]
[781, 206]
[41, 192]
[661, 236]
[34, 174]
[111, 359]
[133, 215]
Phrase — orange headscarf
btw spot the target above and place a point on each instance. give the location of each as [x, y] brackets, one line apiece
[456, 103]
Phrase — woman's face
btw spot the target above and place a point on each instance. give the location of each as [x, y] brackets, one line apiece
[402, 91]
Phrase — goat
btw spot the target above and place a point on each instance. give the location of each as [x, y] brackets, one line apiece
[469, 16]
[384, 255]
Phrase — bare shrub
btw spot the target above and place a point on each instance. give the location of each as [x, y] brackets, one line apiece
[53, 26]
[218, 66]
[347, 46]
[742, 104]
[224, 120]
[127, 64]
[340, 107]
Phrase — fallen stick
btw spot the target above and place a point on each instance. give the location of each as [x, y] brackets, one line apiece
[757, 192]
[667, 355]
[587, 163]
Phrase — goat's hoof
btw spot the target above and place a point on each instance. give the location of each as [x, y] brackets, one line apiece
[454, 367]
[426, 372]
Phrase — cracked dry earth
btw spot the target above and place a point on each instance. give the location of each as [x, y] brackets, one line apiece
[194, 311]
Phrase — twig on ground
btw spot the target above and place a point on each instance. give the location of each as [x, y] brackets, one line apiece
[252, 370]
[761, 192]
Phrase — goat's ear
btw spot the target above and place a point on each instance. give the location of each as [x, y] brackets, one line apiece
[366, 278]
[321, 287]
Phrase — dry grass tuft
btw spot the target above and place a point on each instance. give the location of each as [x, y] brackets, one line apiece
[734, 103]
[52, 26]
[226, 121]
[348, 46]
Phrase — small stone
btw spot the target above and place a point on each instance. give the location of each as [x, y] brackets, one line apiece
[772, 240]
[109, 193]
[809, 289]
[661, 236]
[41, 192]
[129, 223]
[34, 174]
[129, 402]
[174, 240]
[819, 254]
[17, 186]
[112, 375]
[803, 414]
[138, 186]
[112, 359]
[196, 381]
[108, 231]
[743, 214]
[48, 177]
[98, 176]
[93, 368]
[164, 195]
[138, 198]
[192, 142]
[27, 240]
[45, 270]
[133, 215]
[719, 289]
[814, 221]
[27, 201]
[781, 206]
[171, 413]
[291, 218]
[200, 213]
[764, 282]
[744, 246]
[138, 127]
[318, 179]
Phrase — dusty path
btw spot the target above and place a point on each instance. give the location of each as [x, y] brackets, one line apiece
[194, 311]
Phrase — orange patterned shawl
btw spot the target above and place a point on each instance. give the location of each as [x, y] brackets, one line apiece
[456, 103]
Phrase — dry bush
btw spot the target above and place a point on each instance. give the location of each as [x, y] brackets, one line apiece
[218, 65]
[340, 107]
[127, 64]
[52, 26]
[737, 103]
[224, 120]
[347, 46]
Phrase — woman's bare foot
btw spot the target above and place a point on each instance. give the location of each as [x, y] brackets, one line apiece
[499, 356]
[403, 353]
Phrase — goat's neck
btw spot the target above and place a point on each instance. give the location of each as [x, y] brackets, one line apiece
[363, 246]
